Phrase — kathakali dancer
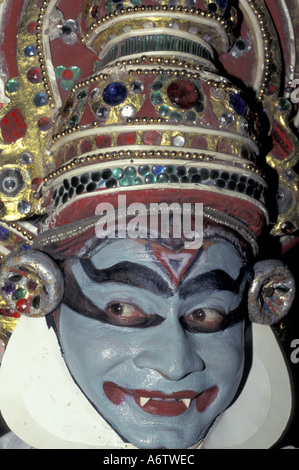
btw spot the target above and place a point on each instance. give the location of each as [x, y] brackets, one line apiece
[121, 119]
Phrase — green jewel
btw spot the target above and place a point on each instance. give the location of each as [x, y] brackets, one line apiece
[59, 71]
[149, 179]
[156, 97]
[162, 178]
[190, 116]
[176, 116]
[12, 85]
[74, 119]
[137, 180]
[169, 169]
[143, 170]
[108, 5]
[284, 104]
[130, 171]
[76, 72]
[126, 181]
[173, 178]
[83, 94]
[36, 302]
[19, 294]
[15, 278]
[164, 110]
[66, 84]
[118, 173]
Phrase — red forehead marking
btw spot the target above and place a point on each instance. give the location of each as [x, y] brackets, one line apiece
[175, 263]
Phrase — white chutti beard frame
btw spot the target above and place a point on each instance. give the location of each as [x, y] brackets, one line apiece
[42, 404]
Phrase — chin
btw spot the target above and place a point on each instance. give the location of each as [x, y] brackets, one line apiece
[168, 433]
[167, 439]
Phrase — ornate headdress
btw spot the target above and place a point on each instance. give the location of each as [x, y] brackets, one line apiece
[186, 101]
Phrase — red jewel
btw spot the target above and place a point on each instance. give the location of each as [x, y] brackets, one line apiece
[287, 227]
[282, 142]
[67, 74]
[23, 306]
[152, 138]
[13, 126]
[34, 75]
[270, 90]
[35, 183]
[44, 124]
[85, 146]
[126, 139]
[31, 27]
[95, 11]
[9, 312]
[103, 141]
[182, 94]
[32, 285]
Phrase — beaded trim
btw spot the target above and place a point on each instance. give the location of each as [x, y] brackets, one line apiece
[144, 154]
[74, 108]
[68, 231]
[266, 37]
[159, 61]
[145, 174]
[164, 10]
[182, 10]
[40, 53]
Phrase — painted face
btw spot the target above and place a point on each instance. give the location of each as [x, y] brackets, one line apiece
[154, 338]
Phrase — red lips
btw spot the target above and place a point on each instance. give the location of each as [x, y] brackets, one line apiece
[158, 403]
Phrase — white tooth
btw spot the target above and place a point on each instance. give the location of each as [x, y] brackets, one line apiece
[144, 400]
[186, 401]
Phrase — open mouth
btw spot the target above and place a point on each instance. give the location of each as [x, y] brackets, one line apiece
[158, 403]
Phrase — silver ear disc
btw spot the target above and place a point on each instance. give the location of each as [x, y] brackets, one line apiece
[272, 292]
[31, 283]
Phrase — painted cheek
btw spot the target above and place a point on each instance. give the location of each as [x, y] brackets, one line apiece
[113, 393]
[91, 350]
[207, 398]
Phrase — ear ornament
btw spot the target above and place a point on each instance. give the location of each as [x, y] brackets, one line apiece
[31, 283]
[272, 292]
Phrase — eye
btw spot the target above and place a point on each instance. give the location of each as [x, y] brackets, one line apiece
[126, 314]
[203, 320]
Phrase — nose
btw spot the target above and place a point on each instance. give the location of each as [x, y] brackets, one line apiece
[171, 352]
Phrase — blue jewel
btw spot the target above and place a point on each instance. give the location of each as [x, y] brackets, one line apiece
[25, 246]
[40, 100]
[30, 51]
[221, 3]
[4, 234]
[157, 169]
[9, 288]
[115, 93]
[237, 103]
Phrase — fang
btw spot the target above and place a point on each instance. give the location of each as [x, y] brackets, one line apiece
[143, 401]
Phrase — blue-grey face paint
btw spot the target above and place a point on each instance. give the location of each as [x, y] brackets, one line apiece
[159, 354]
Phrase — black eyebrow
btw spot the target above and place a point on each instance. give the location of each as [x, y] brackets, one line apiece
[81, 304]
[211, 281]
[128, 273]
